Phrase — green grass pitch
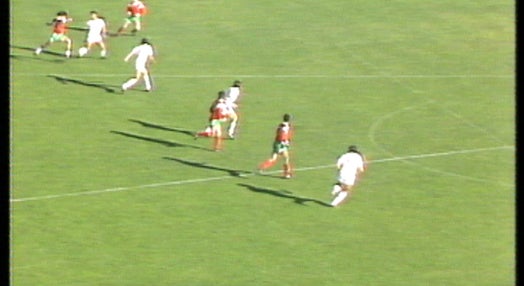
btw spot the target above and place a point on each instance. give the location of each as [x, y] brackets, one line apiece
[112, 189]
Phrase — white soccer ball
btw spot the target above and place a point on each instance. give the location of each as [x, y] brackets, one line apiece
[82, 51]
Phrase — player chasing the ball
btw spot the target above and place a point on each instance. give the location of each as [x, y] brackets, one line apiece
[233, 93]
[350, 166]
[144, 53]
[135, 10]
[281, 146]
[208, 131]
[230, 95]
[220, 114]
[59, 24]
[97, 31]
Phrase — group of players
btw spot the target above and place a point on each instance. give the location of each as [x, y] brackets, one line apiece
[223, 109]
[96, 29]
[96, 34]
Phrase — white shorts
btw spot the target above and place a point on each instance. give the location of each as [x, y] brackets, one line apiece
[141, 67]
[347, 180]
[94, 39]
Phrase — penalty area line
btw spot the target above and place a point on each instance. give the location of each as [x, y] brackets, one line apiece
[202, 180]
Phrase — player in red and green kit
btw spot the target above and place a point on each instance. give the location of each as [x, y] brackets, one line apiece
[220, 114]
[281, 147]
[136, 9]
[208, 132]
[59, 33]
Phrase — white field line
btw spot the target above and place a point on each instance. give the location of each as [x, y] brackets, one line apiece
[467, 122]
[192, 181]
[422, 76]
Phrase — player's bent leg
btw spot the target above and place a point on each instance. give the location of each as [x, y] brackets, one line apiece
[130, 82]
[39, 49]
[232, 125]
[286, 168]
[123, 27]
[103, 52]
[138, 26]
[341, 197]
[336, 189]
[147, 81]
[69, 44]
[217, 137]
[269, 162]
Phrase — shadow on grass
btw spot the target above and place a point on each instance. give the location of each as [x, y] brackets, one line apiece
[156, 126]
[65, 80]
[231, 172]
[122, 34]
[159, 141]
[284, 194]
[74, 28]
[35, 57]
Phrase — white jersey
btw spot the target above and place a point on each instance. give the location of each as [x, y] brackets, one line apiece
[232, 94]
[350, 164]
[96, 28]
[142, 53]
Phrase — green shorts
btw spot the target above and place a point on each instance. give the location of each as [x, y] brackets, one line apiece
[133, 19]
[218, 122]
[279, 147]
[57, 38]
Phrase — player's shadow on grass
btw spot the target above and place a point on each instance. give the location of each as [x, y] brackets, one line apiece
[231, 172]
[156, 126]
[284, 194]
[35, 57]
[125, 34]
[74, 28]
[65, 80]
[156, 140]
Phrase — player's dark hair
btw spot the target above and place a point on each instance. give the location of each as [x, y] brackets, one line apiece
[237, 83]
[145, 41]
[221, 94]
[354, 149]
[287, 117]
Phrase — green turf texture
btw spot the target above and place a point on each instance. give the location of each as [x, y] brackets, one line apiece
[110, 189]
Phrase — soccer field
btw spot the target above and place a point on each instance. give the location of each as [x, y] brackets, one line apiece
[112, 189]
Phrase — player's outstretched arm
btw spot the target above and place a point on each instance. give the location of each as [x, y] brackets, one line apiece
[128, 57]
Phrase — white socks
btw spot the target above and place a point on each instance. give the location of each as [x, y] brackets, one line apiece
[147, 81]
[336, 190]
[129, 83]
[231, 130]
[339, 198]
[133, 81]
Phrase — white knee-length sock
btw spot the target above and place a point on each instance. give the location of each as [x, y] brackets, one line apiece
[129, 83]
[232, 127]
[339, 198]
[147, 81]
[336, 189]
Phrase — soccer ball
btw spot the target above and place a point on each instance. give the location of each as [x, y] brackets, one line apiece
[82, 51]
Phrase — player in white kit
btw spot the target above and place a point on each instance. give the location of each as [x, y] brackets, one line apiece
[145, 56]
[96, 34]
[232, 95]
[349, 165]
